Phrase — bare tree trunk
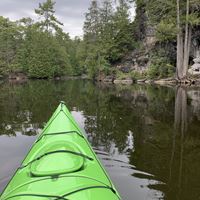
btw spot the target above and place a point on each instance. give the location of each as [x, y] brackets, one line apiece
[180, 122]
[187, 42]
[179, 62]
[187, 56]
[179, 68]
[181, 109]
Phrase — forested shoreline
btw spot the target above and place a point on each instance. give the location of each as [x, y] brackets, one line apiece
[159, 42]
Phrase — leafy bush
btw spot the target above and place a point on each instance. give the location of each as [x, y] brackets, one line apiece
[166, 30]
[43, 56]
[160, 68]
[135, 75]
[120, 75]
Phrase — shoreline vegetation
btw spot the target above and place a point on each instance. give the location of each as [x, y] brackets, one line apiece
[115, 47]
[22, 78]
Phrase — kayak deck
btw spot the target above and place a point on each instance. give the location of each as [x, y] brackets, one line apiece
[61, 165]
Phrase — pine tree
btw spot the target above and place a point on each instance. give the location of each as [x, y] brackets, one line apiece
[47, 11]
[91, 37]
[107, 35]
[91, 24]
[106, 27]
[122, 33]
[106, 14]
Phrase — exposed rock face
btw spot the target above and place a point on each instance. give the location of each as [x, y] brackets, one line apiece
[195, 68]
[135, 61]
[139, 59]
[195, 45]
[165, 81]
[108, 79]
[141, 80]
[150, 39]
[127, 81]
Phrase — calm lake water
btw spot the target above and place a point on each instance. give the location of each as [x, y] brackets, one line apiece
[148, 137]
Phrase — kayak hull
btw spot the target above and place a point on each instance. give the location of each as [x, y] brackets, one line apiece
[61, 165]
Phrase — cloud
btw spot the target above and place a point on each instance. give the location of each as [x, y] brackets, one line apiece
[69, 12]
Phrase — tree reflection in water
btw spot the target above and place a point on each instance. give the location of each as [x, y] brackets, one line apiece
[147, 136]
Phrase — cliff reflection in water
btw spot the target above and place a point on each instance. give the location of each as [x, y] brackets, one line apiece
[147, 136]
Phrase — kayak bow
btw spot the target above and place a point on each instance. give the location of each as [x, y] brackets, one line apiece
[61, 165]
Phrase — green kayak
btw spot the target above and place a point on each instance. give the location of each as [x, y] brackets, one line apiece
[61, 165]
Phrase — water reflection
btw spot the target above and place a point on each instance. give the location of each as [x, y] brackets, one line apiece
[146, 136]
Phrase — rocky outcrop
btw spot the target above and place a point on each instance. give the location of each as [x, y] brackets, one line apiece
[108, 79]
[195, 45]
[139, 59]
[165, 81]
[136, 60]
[195, 68]
[141, 80]
[127, 81]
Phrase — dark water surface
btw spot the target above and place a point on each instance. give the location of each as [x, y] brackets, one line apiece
[148, 137]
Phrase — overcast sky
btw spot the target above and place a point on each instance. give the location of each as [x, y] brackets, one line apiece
[69, 12]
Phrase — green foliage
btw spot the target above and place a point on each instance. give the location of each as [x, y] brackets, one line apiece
[97, 63]
[194, 18]
[46, 10]
[9, 41]
[42, 50]
[160, 68]
[107, 35]
[123, 40]
[91, 24]
[139, 24]
[121, 76]
[39, 49]
[76, 54]
[45, 57]
[135, 75]
[164, 17]
[166, 30]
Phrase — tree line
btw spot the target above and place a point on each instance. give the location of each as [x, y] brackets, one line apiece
[110, 35]
[41, 49]
[38, 48]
